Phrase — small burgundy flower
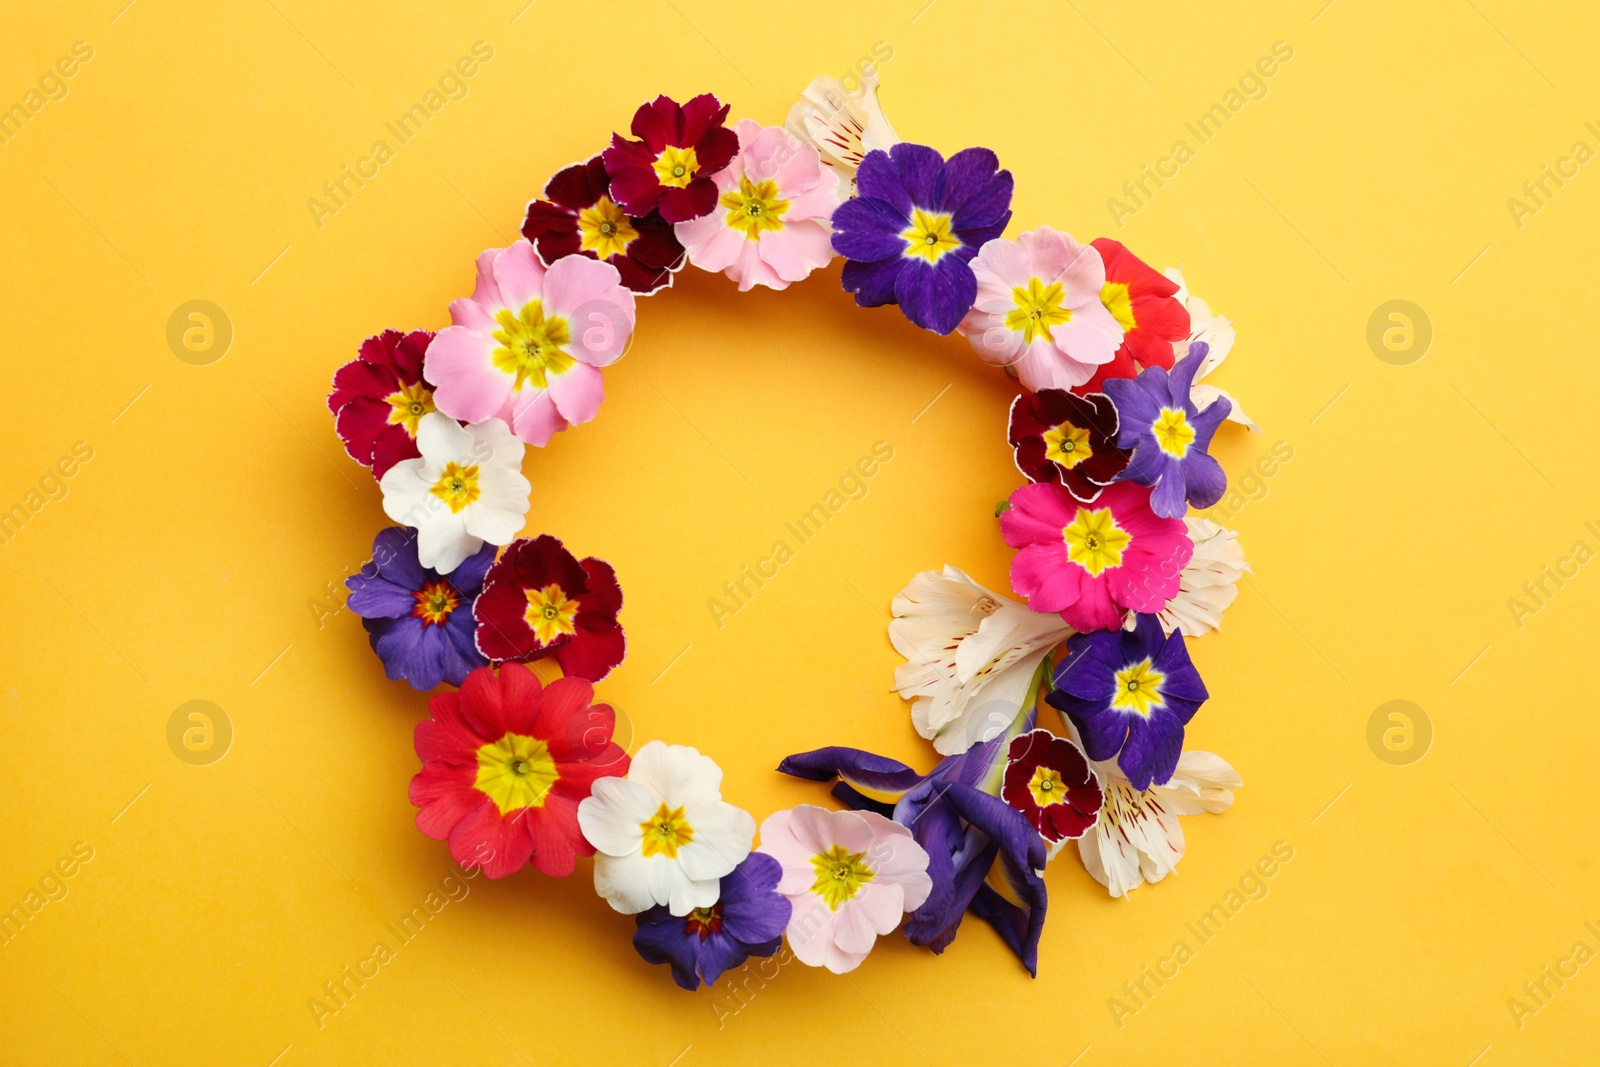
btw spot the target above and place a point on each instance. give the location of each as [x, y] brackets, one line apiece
[670, 166]
[379, 397]
[538, 600]
[579, 217]
[1068, 440]
[1049, 780]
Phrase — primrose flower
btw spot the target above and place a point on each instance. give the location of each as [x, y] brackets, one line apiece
[1129, 693]
[1093, 563]
[849, 876]
[505, 762]
[983, 855]
[1145, 304]
[1039, 311]
[747, 920]
[912, 231]
[578, 217]
[1169, 436]
[843, 124]
[1068, 439]
[379, 398]
[528, 345]
[539, 600]
[1048, 779]
[669, 167]
[664, 834]
[465, 489]
[418, 620]
[772, 226]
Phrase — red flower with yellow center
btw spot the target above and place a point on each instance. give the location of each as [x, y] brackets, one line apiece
[580, 216]
[669, 168]
[539, 600]
[379, 398]
[505, 762]
[1049, 780]
[1144, 302]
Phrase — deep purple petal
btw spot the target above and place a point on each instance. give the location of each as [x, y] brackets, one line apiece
[1204, 482]
[877, 773]
[394, 551]
[375, 597]
[867, 229]
[873, 283]
[879, 178]
[937, 296]
[1170, 498]
[1154, 745]
[918, 168]
[468, 577]
[664, 938]
[967, 174]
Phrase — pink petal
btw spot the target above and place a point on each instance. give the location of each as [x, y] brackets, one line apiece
[1043, 574]
[466, 383]
[1038, 513]
[520, 275]
[535, 418]
[796, 250]
[486, 293]
[578, 392]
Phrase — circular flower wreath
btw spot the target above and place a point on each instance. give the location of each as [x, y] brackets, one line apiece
[1111, 431]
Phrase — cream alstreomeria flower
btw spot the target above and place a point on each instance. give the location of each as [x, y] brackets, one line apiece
[663, 834]
[466, 488]
[843, 124]
[971, 656]
[1215, 331]
[1137, 838]
[1208, 583]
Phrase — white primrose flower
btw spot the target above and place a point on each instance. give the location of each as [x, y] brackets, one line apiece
[663, 834]
[466, 488]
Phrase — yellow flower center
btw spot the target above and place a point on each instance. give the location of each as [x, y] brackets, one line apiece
[531, 346]
[665, 832]
[840, 875]
[1138, 689]
[408, 404]
[929, 235]
[676, 166]
[516, 772]
[457, 486]
[1115, 296]
[550, 613]
[604, 229]
[1038, 307]
[755, 208]
[1094, 540]
[435, 602]
[1047, 787]
[1173, 432]
[1067, 445]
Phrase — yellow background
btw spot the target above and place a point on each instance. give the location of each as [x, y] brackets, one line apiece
[189, 558]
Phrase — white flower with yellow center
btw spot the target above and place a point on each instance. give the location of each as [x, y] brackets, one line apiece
[971, 655]
[465, 489]
[663, 834]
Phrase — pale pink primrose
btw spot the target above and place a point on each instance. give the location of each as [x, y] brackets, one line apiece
[770, 226]
[528, 345]
[1039, 310]
[850, 877]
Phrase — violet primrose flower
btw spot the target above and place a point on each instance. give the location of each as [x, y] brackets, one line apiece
[1129, 693]
[1169, 435]
[747, 920]
[419, 622]
[912, 232]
